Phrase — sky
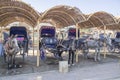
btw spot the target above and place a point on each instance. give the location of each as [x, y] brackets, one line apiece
[86, 6]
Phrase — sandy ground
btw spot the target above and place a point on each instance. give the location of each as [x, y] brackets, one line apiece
[50, 64]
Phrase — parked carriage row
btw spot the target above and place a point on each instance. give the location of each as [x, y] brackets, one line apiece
[49, 42]
[52, 44]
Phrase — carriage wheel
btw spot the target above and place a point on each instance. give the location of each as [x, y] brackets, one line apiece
[111, 48]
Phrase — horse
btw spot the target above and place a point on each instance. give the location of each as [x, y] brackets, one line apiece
[97, 44]
[85, 43]
[109, 44]
[11, 49]
[94, 44]
[115, 44]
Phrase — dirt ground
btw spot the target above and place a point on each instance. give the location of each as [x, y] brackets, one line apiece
[29, 65]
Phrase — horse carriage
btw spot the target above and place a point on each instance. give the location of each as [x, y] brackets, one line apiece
[22, 38]
[80, 42]
[116, 42]
[21, 44]
[49, 43]
[72, 35]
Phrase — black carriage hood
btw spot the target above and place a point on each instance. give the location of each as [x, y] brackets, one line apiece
[72, 32]
[47, 31]
[21, 31]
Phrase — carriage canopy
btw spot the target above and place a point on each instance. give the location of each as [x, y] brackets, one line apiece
[48, 34]
[19, 30]
[72, 33]
[47, 31]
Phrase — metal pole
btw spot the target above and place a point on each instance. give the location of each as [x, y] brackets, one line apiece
[104, 42]
[33, 42]
[38, 52]
[76, 39]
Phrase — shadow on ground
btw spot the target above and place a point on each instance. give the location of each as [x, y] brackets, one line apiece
[29, 65]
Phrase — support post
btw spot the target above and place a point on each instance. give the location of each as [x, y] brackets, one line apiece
[104, 42]
[77, 39]
[33, 42]
[38, 52]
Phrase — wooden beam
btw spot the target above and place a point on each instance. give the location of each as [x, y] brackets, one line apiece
[38, 52]
[104, 42]
[77, 39]
[33, 43]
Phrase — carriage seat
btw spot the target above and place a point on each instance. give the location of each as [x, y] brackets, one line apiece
[81, 40]
[50, 42]
[117, 40]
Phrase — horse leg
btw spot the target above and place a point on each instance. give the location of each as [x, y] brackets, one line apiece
[20, 51]
[26, 45]
[56, 54]
[23, 54]
[85, 53]
[85, 50]
[8, 62]
[4, 56]
[14, 60]
[98, 55]
[95, 56]
[110, 48]
[60, 55]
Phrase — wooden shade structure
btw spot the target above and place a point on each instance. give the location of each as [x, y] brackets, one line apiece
[16, 10]
[59, 16]
[101, 20]
[98, 19]
[63, 16]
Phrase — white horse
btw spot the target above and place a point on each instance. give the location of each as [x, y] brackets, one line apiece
[96, 45]
[108, 43]
[11, 49]
[93, 42]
